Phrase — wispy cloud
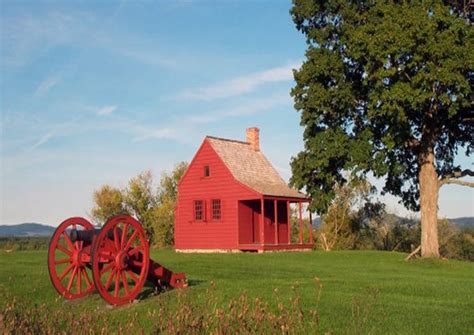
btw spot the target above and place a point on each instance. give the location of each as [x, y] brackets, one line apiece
[106, 110]
[146, 133]
[42, 140]
[148, 56]
[46, 85]
[240, 85]
[137, 131]
[26, 37]
[52, 130]
[252, 107]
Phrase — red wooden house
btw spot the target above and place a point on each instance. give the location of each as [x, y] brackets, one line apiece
[231, 198]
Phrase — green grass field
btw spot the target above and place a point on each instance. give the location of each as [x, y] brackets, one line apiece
[362, 291]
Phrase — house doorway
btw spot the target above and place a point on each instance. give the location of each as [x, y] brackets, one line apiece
[249, 221]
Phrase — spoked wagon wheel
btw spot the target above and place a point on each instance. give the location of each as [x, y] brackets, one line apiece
[122, 244]
[68, 262]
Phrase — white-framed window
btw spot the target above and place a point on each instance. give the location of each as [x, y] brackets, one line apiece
[216, 209]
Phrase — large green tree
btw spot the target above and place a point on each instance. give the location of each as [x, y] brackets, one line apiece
[386, 87]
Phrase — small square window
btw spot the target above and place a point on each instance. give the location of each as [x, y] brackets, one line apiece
[207, 171]
[198, 210]
[216, 209]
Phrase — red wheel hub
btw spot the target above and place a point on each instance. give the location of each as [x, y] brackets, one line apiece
[121, 260]
[76, 258]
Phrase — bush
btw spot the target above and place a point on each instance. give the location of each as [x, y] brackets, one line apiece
[24, 243]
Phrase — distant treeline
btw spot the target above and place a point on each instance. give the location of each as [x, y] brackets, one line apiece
[356, 220]
[24, 243]
[391, 233]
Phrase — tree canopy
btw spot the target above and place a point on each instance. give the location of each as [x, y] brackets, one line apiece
[167, 197]
[108, 201]
[386, 87]
[375, 80]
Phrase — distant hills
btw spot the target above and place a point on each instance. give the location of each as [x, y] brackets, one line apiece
[26, 230]
[463, 222]
[38, 229]
[316, 222]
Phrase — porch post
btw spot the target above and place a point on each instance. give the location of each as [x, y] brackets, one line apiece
[275, 205]
[288, 219]
[262, 222]
[301, 221]
[310, 227]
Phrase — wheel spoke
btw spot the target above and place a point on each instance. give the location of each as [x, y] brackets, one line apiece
[135, 250]
[131, 239]
[64, 250]
[124, 235]
[86, 276]
[66, 271]
[124, 281]
[136, 263]
[109, 280]
[78, 280]
[68, 240]
[106, 268]
[117, 283]
[116, 239]
[71, 279]
[133, 276]
[62, 261]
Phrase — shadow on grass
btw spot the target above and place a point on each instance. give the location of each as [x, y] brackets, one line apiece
[150, 290]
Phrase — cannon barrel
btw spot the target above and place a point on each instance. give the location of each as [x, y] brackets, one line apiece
[86, 236]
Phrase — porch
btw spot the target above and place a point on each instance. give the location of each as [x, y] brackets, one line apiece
[274, 223]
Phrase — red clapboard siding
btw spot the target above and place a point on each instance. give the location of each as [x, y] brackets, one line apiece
[209, 234]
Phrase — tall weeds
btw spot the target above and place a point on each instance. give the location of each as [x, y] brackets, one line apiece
[187, 314]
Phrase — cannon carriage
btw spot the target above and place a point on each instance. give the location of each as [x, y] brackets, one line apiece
[114, 260]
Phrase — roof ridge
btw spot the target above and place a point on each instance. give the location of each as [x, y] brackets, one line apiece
[226, 139]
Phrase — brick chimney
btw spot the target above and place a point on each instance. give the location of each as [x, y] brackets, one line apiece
[253, 138]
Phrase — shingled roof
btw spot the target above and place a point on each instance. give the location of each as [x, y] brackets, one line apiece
[252, 168]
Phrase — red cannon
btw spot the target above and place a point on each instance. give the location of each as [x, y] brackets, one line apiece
[115, 260]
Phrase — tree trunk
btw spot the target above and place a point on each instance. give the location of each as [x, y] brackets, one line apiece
[428, 179]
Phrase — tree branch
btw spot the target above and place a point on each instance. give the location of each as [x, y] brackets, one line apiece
[458, 173]
[412, 143]
[455, 181]
[451, 178]
[413, 253]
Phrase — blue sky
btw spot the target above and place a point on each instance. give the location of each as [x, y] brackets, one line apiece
[96, 92]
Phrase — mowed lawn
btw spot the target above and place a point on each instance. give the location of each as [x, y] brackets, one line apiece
[362, 291]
